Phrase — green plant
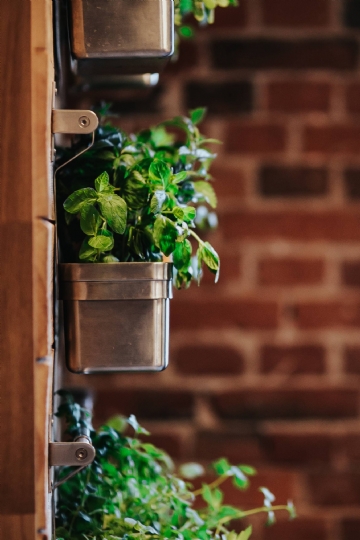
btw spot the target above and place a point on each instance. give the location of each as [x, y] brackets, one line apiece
[202, 10]
[130, 197]
[131, 491]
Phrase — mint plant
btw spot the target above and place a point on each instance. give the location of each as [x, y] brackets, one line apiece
[134, 198]
[131, 491]
[202, 10]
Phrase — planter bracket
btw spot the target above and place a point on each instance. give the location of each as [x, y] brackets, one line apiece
[79, 453]
[77, 122]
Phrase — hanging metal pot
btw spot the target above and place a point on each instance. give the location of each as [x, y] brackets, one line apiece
[117, 37]
[116, 316]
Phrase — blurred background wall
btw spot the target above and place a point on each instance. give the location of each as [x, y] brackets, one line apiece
[265, 365]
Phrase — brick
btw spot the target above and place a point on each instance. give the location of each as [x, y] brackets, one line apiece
[293, 360]
[286, 403]
[352, 98]
[350, 527]
[334, 489]
[350, 273]
[328, 314]
[146, 404]
[352, 13]
[250, 138]
[352, 360]
[210, 445]
[298, 96]
[292, 225]
[296, 14]
[290, 271]
[208, 360]
[170, 442]
[186, 60]
[261, 53]
[230, 18]
[298, 449]
[332, 139]
[282, 181]
[352, 183]
[229, 97]
[299, 529]
[350, 444]
[229, 180]
[224, 314]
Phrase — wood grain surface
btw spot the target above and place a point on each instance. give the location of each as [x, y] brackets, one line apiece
[26, 240]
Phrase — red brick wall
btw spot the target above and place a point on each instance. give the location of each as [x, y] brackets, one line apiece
[265, 365]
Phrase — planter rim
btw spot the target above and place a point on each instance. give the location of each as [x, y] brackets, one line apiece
[120, 271]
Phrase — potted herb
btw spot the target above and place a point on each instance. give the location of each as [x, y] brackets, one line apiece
[131, 199]
[131, 490]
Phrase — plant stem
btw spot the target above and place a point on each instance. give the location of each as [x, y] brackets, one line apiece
[213, 484]
[196, 237]
[247, 513]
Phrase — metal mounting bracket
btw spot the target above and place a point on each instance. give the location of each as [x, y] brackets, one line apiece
[77, 122]
[79, 453]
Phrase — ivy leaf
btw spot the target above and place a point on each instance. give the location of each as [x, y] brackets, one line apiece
[159, 172]
[90, 219]
[165, 235]
[114, 210]
[77, 199]
[102, 182]
[182, 255]
[87, 252]
[197, 115]
[157, 201]
[207, 191]
[104, 241]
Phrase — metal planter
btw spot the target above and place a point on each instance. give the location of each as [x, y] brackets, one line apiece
[114, 37]
[116, 316]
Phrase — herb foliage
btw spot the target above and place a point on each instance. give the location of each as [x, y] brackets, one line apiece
[134, 198]
[202, 10]
[131, 490]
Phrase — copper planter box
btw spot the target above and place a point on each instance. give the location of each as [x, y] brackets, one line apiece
[115, 37]
[116, 316]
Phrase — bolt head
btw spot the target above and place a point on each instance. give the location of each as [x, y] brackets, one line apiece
[81, 454]
[84, 121]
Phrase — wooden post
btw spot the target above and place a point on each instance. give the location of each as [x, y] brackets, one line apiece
[26, 260]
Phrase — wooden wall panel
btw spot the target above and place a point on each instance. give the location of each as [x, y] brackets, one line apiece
[26, 261]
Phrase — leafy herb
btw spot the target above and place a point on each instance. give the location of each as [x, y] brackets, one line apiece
[134, 198]
[131, 491]
[202, 10]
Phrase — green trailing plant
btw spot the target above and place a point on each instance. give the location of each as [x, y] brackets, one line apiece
[133, 198]
[202, 10]
[131, 492]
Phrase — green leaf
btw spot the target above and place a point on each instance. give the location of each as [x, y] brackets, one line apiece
[165, 235]
[77, 199]
[182, 255]
[157, 201]
[222, 466]
[109, 259]
[179, 213]
[118, 423]
[191, 470]
[104, 241]
[102, 182]
[247, 469]
[114, 210]
[207, 191]
[90, 219]
[159, 172]
[189, 213]
[245, 535]
[197, 115]
[208, 254]
[132, 421]
[179, 177]
[87, 252]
